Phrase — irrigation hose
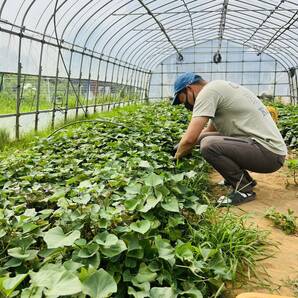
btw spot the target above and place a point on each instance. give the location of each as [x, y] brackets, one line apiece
[94, 120]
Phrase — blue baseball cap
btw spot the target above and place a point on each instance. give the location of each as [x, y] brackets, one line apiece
[183, 81]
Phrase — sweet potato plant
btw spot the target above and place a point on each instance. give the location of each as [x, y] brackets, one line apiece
[102, 210]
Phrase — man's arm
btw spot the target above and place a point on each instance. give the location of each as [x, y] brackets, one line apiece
[191, 135]
[210, 127]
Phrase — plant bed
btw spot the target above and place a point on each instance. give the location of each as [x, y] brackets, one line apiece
[102, 210]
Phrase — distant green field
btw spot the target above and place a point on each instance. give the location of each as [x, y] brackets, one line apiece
[28, 103]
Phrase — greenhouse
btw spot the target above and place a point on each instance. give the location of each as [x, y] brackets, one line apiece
[149, 148]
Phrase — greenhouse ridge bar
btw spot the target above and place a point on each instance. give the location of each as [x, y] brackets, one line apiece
[68, 54]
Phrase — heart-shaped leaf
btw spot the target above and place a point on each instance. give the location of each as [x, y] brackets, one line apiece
[153, 180]
[55, 238]
[99, 285]
[141, 226]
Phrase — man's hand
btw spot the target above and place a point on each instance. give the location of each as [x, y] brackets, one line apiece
[190, 137]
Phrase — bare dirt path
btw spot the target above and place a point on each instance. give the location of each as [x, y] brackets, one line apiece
[273, 190]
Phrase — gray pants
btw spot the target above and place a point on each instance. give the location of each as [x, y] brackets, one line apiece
[232, 157]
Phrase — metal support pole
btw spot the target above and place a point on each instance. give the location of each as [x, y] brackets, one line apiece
[105, 83]
[80, 84]
[18, 102]
[2, 82]
[143, 80]
[68, 84]
[259, 74]
[296, 88]
[97, 83]
[161, 80]
[38, 87]
[138, 84]
[148, 86]
[290, 87]
[274, 82]
[242, 68]
[55, 92]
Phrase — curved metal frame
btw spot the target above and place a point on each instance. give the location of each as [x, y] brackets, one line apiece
[130, 58]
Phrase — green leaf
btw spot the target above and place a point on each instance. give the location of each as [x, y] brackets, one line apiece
[151, 202]
[199, 208]
[184, 252]
[137, 294]
[110, 245]
[11, 283]
[131, 204]
[162, 293]
[32, 292]
[88, 251]
[67, 284]
[55, 238]
[2, 233]
[99, 285]
[165, 250]
[106, 239]
[85, 184]
[153, 180]
[132, 241]
[141, 226]
[170, 204]
[72, 266]
[144, 164]
[114, 250]
[59, 193]
[133, 188]
[28, 227]
[19, 253]
[56, 281]
[12, 263]
[192, 293]
[177, 177]
[144, 275]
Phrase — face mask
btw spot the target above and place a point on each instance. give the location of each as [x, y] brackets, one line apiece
[187, 104]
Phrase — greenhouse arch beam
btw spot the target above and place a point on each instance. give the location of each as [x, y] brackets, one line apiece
[211, 38]
[250, 21]
[264, 21]
[292, 46]
[162, 29]
[171, 14]
[152, 63]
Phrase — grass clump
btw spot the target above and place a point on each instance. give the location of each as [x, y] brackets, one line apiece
[232, 244]
[4, 138]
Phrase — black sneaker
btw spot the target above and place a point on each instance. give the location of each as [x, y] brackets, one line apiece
[236, 198]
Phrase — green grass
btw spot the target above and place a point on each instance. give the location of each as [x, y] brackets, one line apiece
[4, 138]
[28, 103]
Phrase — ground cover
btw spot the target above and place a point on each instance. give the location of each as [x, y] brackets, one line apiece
[103, 210]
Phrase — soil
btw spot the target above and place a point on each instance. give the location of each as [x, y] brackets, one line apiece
[273, 190]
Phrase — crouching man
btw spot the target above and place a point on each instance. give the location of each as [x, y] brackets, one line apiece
[240, 136]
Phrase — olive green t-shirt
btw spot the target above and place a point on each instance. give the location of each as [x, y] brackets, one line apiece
[237, 112]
